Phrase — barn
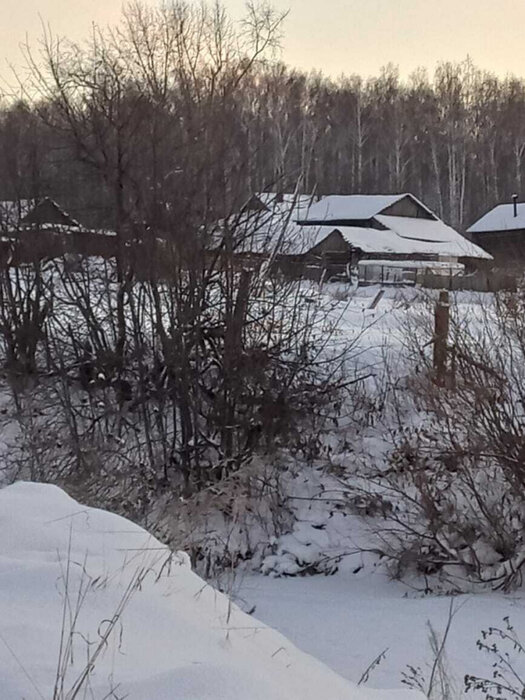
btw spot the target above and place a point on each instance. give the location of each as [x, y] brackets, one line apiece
[343, 230]
[330, 236]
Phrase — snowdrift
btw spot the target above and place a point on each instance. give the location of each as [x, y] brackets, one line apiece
[91, 602]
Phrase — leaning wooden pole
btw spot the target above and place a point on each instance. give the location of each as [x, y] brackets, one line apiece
[441, 331]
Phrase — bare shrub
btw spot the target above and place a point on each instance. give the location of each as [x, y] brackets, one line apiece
[187, 407]
[503, 647]
[24, 307]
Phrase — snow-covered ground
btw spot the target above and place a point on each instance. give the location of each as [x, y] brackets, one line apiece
[88, 595]
[348, 620]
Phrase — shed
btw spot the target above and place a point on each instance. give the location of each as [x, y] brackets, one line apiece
[501, 232]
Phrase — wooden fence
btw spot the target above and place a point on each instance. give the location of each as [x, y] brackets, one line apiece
[480, 281]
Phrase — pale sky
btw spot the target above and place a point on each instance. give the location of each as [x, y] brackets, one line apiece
[334, 36]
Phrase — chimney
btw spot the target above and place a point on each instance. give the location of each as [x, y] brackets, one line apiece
[515, 204]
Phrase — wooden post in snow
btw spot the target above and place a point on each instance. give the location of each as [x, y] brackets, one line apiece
[377, 299]
[441, 330]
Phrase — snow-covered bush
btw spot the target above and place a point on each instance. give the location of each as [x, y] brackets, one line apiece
[231, 522]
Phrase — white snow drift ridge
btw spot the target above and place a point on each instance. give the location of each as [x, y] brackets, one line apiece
[93, 606]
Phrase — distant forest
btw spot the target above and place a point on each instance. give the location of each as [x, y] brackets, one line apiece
[180, 110]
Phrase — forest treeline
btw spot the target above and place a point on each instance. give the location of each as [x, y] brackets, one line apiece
[180, 105]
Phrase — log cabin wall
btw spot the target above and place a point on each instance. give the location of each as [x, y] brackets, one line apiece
[506, 247]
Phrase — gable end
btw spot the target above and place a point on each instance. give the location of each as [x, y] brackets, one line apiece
[408, 207]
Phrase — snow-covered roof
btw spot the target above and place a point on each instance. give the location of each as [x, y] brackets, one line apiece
[356, 207]
[425, 233]
[501, 218]
[276, 229]
[274, 234]
[419, 229]
[29, 214]
[262, 231]
[59, 228]
[286, 199]
[293, 239]
[369, 240]
[375, 241]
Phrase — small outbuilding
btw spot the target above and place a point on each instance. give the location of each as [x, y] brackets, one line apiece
[501, 232]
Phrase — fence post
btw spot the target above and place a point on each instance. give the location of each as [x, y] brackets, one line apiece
[441, 330]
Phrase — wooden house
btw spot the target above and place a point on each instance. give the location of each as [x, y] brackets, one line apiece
[34, 230]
